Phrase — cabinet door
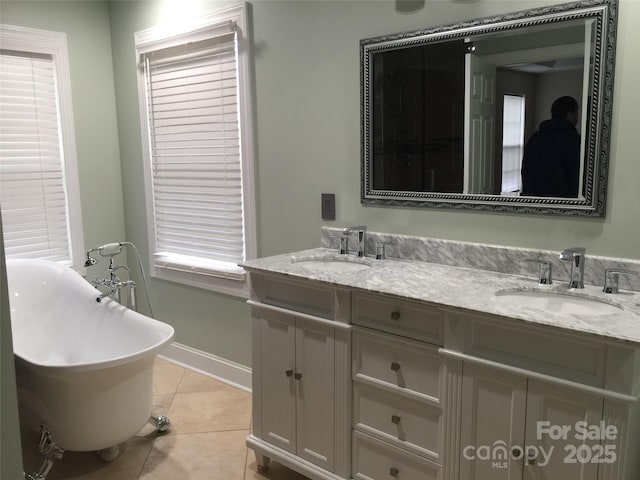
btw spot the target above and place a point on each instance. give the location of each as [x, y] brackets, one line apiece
[315, 392]
[277, 363]
[552, 414]
[493, 421]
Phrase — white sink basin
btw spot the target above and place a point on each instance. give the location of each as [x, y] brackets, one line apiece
[337, 265]
[559, 302]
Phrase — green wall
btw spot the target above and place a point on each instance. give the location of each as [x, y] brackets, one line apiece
[10, 448]
[306, 100]
[86, 24]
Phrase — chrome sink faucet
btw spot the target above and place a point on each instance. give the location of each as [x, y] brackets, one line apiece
[361, 230]
[575, 255]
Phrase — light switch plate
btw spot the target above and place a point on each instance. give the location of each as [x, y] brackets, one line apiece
[328, 206]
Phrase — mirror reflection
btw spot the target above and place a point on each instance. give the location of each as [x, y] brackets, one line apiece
[509, 113]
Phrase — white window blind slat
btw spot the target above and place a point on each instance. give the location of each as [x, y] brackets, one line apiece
[32, 189]
[192, 115]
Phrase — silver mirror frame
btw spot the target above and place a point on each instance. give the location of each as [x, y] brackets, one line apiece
[604, 12]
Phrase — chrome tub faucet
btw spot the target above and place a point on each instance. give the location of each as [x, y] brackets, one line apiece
[575, 255]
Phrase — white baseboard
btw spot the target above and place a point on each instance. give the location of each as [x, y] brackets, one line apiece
[226, 371]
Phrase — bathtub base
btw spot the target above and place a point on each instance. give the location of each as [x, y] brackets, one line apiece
[87, 411]
[109, 454]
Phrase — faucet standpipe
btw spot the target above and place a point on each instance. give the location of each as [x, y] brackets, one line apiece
[611, 277]
[545, 276]
[361, 230]
[575, 255]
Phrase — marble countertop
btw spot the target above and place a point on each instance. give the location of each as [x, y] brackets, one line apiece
[458, 287]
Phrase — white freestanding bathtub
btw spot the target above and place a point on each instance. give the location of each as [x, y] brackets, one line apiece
[84, 369]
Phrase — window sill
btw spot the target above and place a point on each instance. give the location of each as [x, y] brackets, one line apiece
[221, 281]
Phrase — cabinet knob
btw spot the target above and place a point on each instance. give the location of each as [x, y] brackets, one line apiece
[531, 458]
[297, 376]
[288, 373]
[395, 366]
[395, 316]
[395, 419]
[394, 472]
[516, 452]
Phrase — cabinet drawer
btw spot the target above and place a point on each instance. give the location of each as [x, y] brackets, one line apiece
[299, 296]
[572, 357]
[396, 362]
[373, 459]
[401, 317]
[405, 423]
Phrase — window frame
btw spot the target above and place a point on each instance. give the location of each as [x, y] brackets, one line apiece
[160, 37]
[46, 42]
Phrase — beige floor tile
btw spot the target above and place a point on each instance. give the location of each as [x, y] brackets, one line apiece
[166, 377]
[224, 409]
[193, 382]
[89, 465]
[275, 471]
[210, 456]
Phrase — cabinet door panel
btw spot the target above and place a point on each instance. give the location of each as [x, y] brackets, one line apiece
[493, 406]
[315, 345]
[277, 359]
[552, 414]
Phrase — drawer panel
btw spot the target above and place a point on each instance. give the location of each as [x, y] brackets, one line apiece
[401, 317]
[568, 356]
[298, 295]
[373, 459]
[405, 423]
[394, 361]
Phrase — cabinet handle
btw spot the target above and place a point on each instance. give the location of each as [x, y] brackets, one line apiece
[394, 472]
[395, 316]
[395, 419]
[395, 366]
[297, 376]
[288, 373]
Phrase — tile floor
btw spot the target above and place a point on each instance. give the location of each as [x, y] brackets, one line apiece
[209, 423]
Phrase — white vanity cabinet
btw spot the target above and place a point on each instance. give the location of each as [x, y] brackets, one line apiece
[355, 384]
[301, 377]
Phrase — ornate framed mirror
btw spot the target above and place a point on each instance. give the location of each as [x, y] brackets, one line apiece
[448, 112]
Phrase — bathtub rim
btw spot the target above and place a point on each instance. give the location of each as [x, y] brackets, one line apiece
[166, 330]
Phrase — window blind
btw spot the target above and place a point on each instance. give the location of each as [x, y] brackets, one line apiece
[32, 184]
[194, 141]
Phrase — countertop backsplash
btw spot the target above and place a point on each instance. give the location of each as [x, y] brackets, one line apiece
[495, 258]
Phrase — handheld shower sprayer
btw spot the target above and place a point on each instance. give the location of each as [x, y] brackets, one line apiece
[110, 249]
[90, 262]
[106, 250]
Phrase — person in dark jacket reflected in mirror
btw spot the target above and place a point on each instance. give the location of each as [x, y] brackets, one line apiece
[551, 162]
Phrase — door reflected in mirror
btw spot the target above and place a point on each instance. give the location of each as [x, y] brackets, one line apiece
[461, 116]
